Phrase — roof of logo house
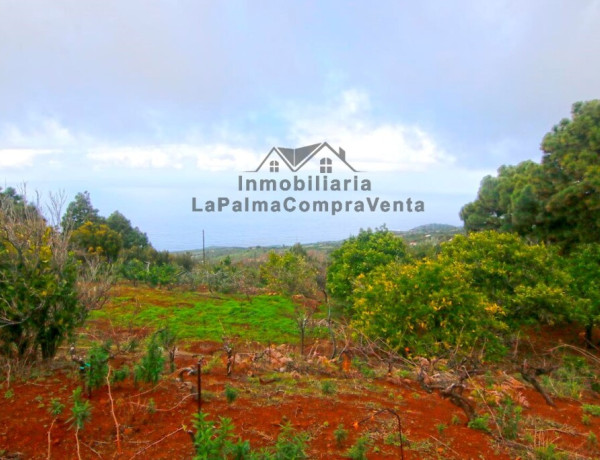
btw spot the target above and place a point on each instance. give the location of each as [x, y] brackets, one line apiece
[295, 159]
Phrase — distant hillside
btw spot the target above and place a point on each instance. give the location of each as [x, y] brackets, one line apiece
[427, 234]
[430, 233]
[432, 228]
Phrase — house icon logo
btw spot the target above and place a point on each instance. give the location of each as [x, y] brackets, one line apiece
[323, 155]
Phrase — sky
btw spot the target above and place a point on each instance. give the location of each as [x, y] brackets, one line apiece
[148, 104]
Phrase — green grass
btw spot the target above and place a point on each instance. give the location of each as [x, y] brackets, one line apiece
[192, 316]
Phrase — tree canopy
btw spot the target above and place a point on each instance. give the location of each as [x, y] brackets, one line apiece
[556, 201]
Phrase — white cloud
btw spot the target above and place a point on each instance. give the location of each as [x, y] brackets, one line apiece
[214, 157]
[20, 158]
[344, 121]
[369, 145]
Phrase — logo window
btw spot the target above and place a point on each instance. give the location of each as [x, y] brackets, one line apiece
[274, 166]
[325, 166]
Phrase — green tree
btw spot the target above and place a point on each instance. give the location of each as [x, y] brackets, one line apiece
[571, 164]
[557, 201]
[583, 265]
[505, 203]
[80, 211]
[290, 273]
[42, 299]
[132, 237]
[359, 255]
[97, 239]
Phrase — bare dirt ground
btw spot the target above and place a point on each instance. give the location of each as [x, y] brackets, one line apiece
[315, 395]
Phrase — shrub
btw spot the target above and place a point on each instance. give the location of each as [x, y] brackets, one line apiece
[480, 423]
[81, 412]
[151, 367]
[328, 387]
[509, 418]
[290, 444]
[213, 441]
[231, 393]
[56, 407]
[97, 370]
[340, 435]
[592, 409]
[360, 448]
[120, 374]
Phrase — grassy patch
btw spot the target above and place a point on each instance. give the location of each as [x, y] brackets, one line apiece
[192, 316]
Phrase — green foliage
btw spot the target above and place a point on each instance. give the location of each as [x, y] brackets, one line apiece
[481, 423]
[360, 448]
[341, 435]
[289, 273]
[81, 412]
[162, 275]
[97, 370]
[9, 394]
[97, 239]
[216, 441]
[591, 409]
[359, 255]
[150, 368]
[557, 201]
[504, 203]
[120, 374]
[290, 444]
[231, 393]
[526, 280]
[328, 387]
[363, 367]
[549, 452]
[263, 318]
[80, 211]
[429, 307]
[39, 300]
[508, 417]
[131, 237]
[583, 265]
[56, 407]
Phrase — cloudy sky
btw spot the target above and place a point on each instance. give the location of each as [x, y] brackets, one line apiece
[147, 104]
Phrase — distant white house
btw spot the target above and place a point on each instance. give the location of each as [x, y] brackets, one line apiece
[321, 155]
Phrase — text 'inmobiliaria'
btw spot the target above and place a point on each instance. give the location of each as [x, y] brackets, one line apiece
[294, 203]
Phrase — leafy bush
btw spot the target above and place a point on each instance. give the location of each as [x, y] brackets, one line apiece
[481, 423]
[81, 412]
[291, 444]
[592, 409]
[509, 418]
[429, 307]
[151, 367]
[213, 441]
[360, 255]
[360, 448]
[120, 374]
[56, 407]
[340, 434]
[526, 280]
[328, 387]
[97, 369]
[231, 393]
